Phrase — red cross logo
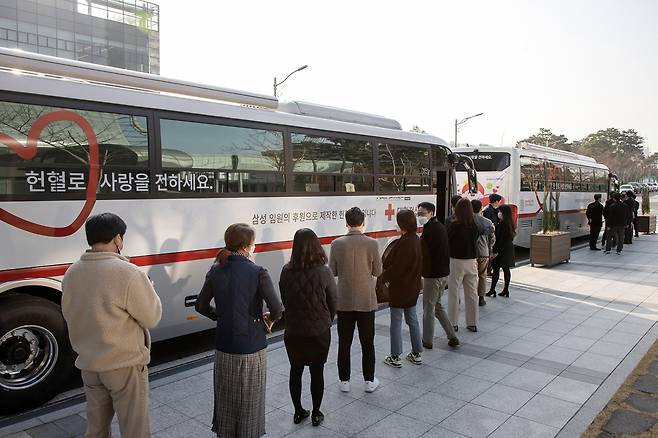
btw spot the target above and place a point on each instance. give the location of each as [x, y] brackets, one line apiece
[389, 212]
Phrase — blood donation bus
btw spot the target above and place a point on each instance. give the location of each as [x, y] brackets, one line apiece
[178, 162]
[512, 172]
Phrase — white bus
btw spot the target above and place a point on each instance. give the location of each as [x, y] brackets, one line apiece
[508, 171]
[178, 162]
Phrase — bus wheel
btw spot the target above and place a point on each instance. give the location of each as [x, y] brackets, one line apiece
[35, 355]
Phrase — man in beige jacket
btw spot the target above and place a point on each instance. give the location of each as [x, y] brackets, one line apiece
[109, 304]
[355, 260]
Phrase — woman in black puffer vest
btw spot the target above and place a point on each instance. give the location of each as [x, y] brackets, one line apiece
[308, 292]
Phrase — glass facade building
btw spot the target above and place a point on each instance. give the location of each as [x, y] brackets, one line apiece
[118, 33]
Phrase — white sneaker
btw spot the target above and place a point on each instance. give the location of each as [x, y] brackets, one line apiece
[344, 386]
[372, 385]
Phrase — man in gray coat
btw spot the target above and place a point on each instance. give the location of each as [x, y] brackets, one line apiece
[484, 245]
[355, 260]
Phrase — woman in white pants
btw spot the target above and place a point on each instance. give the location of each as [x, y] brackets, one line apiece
[463, 234]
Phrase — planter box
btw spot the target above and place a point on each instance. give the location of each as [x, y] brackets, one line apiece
[646, 223]
[550, 249]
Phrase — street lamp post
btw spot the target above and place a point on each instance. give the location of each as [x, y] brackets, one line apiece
[276, 84]
[462, 121]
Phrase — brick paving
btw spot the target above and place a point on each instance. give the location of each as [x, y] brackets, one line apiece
[539, 365]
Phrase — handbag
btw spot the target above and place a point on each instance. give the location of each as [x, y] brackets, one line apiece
[381, 287]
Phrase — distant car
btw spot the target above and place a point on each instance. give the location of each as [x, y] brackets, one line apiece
[653, 187]
[636, 186]
[626, 187]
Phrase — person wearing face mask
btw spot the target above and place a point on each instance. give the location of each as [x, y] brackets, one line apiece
[436, 269]
[109, 306]
[239, 287]
[491, 212]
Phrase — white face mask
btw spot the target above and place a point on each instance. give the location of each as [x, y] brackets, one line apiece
[422, 220]
[500, 216]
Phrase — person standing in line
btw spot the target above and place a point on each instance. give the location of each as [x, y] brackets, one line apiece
[463, 235]
[436, 269]
[109, 305]
[595, 221]
[608, 202]
[308, 292]
[636, 211]
[453, 204]
[616, 222]
[401, 271]
[628, 232]
[484, 247]
[503, 250]
[239, 287]
[491, 212]
[354, 259]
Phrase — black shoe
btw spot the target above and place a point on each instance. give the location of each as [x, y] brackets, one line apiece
[504, 293]
[455, 327]
[299, 416]
[317, 418]
[453, 342]
[491, 293]
[481, 302]
[472, 328]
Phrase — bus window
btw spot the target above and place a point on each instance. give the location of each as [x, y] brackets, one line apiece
[587, 178]
[59, 164]
[487, 161]
[403, 168]
[212, 158]
[331, 164]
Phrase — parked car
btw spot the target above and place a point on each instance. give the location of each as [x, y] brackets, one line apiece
[654, 186]
[637, 187]
[626, 187]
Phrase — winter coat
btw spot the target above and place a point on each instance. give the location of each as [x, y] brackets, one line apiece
[239, 288]
[436, 252]
[595, 213]
[402, 269]
[309, 297]
[503, 248]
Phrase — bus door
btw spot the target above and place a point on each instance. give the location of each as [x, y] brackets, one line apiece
[444, 190]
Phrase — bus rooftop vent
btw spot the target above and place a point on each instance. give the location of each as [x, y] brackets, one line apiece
[558, 152]
[339, 114]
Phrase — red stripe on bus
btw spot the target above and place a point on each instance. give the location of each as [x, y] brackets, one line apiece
[524, 215]
[174, 257]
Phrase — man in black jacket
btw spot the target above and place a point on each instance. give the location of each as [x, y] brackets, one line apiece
[636, 208]
[628, 200]
[617, 218]
[608, 202]
[436, 269]
[491, 212]
[595, 221]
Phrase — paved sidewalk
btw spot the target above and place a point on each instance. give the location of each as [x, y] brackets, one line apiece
[538, 366]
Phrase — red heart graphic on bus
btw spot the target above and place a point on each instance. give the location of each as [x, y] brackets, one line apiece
[28, 152]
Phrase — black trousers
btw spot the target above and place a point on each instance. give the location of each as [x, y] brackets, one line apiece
[594, 231]
[628, 234]
[615, 237]
[365, 322]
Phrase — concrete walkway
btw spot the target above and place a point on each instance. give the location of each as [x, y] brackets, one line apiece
[543, 363]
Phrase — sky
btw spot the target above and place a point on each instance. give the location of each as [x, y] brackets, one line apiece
[574, 66]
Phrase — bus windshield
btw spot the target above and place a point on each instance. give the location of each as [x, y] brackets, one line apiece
[486, 161]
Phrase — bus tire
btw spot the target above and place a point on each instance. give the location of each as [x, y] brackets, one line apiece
[36, 358]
